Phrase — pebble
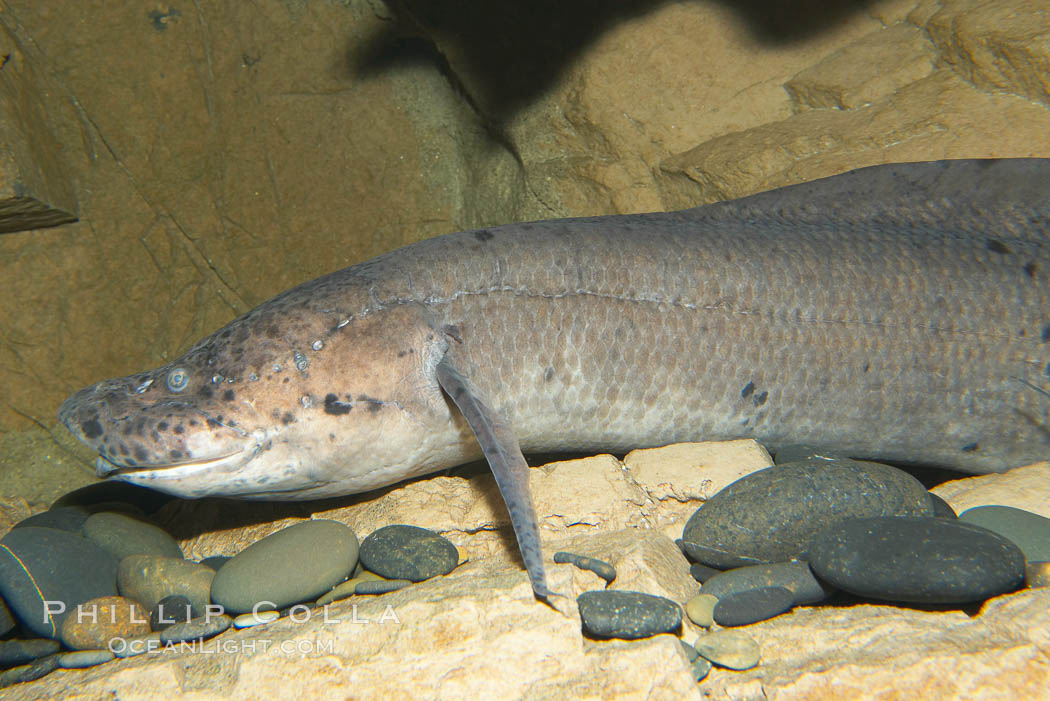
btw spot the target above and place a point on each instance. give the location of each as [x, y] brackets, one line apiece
[408, 552]
[794, 576]
[917, 560]
[701, 609]
[215, 561]
[198, 629]
[348, 588]
[381, 586]
[20, 651]
[731, 649]
[770, 515]
[96, 622]
[7, 619]
[47, 564]
[1037, 574]
[84, 658]
[752, 605]
[29, 672]
[170, 610]
[941, 508]
[1030, 532]
[133, 647]
[63, 518]
[627, 614]
[599, 567]
[149, 578]
[701, 572]
[700, 668]
[295, 564]
[125, 535]
[249, 620]
[143, 498]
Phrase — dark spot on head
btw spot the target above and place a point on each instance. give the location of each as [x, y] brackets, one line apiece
[155, 436]
[453, 332]
[748, 390]
[206, 392]
[175, 454]
[1030, 267]
[286, 380]
[192, 422]
[212, 423]
[128, 428]
[91, 428]
[333, 406]
[288, 418]
[483, 235]
[971, 447]
[867, 366]
[140, 453]
[1046, 370]
[1046, 333]
[331, 437]
[229, 395]
[997, 247]
[124, 449]
[1022, 333]
[180, 429]
[760, 399]
[548, 374]
[162, 426]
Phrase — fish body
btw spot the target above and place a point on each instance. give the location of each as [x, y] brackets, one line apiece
[900, 312]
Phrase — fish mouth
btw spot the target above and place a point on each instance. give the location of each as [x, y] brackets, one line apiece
[176, 470]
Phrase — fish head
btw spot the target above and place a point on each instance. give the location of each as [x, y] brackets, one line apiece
[292, 405]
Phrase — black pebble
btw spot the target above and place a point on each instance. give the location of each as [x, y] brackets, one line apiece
[770, 515]
[752, 605]
[941, 508]
[627, 614]
[171, 610]
[408, 552]
[16, 652]
[58, 565]
[917, 560]
[701, 572]
[796, 577]
[600, 567]
[215, 561]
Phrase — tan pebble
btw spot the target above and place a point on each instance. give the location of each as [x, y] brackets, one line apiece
[700, 609]
[728, 648]
[93, 624]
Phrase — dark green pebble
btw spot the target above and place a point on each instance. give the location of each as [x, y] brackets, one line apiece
[19, 652]
[171, 610]
[701, 572]
[84, 658]
[1030, 532]
[408, 552]
[125, 535]
[215, 561]
[796, 576]
[599, 567]
[198, 629]
[381, 586]
[700, 668]
[941, 508]
[627, 614]
[143, 498]
[917, 560]
[770, 515]
[752, 605]
[30, 672]
[46, 564]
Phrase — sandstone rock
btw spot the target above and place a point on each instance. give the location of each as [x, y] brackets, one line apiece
[1022, 488]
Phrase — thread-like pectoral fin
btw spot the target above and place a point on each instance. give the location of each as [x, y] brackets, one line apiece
[503, 453]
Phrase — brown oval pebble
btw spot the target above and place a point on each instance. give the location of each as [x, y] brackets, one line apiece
[94, 623]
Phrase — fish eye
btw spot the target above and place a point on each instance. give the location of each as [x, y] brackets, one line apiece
[178, 380]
